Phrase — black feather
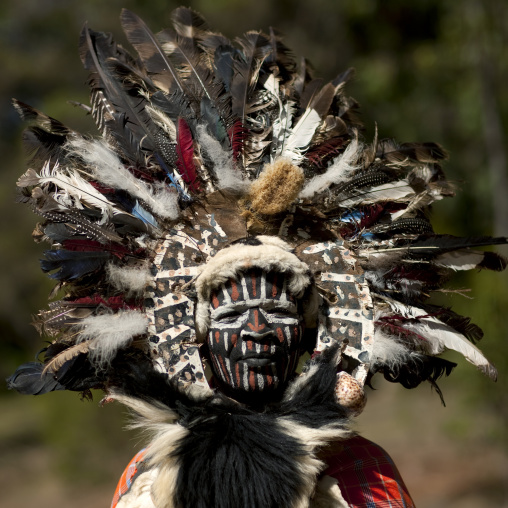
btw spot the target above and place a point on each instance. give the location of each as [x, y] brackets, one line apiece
[72, 265]
[29, 379]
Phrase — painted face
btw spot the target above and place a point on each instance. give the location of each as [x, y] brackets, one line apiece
[255, 332]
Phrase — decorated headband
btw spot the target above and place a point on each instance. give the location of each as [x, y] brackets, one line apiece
[215, 156]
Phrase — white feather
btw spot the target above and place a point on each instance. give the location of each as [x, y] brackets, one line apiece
[439, 336]
[387, 351]
[340, 171]
[131, 279]
[464, 259]
[110, 332]
[109, 170]
[301, 135]
[227, 176]
[75, 190]
[399, 191]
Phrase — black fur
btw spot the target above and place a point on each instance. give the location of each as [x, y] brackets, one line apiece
[237, 459]
[235, 455]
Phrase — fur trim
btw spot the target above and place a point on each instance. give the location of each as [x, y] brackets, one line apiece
[273, 254]
[240, 457]
[327, 495]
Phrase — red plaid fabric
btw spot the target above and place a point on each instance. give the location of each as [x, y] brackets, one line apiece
[367, 476]
[128, 477]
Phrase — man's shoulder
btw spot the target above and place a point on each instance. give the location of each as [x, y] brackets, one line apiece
[366, 475]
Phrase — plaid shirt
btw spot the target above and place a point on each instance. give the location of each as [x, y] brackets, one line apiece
[365, 473]
[367, 476]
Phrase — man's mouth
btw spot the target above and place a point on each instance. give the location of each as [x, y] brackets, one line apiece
[254, 359]
[258, 362]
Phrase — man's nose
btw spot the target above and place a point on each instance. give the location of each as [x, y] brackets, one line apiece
[257, 324]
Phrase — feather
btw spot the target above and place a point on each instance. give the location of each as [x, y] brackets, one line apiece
[394, 153]
[340, 171]
[282, 57]
[224, 171]
[255, 49]
[72, 265]
[398, 192]
[67, 354]
[468, 259]
[304, 130]
[163, 72]
[130, 127]
[109, 170]
[440, 336]
[36, 117]
[75, 220]
[74, 190]
[188, 23]
[108, 333]
[301, 135]
[133, 279]
[29, 379]
[185, 152]
[282, 126]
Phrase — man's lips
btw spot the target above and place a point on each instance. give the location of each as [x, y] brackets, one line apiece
[261, 359]
[258, 362]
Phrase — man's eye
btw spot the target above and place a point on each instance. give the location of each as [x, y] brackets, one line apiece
[229, 317]
[281, 312]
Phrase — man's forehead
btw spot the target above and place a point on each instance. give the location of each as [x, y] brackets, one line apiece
[253, 284]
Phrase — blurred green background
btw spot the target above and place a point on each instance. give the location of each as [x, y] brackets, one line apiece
[427, 70]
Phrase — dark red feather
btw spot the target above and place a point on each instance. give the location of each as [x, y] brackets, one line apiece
[185, 153]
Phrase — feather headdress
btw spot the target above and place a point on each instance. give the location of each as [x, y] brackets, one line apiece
[204, 143]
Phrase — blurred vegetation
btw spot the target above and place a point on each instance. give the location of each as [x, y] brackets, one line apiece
[427, 70]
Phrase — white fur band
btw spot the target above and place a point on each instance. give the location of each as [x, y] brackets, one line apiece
[272, 255]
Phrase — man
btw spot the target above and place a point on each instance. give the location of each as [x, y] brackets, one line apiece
[231, 213]
[259, 320]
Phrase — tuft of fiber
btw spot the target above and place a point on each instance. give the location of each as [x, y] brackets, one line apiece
[276, 188]
[110, 332]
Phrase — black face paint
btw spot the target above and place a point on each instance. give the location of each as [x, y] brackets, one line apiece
[255, 333]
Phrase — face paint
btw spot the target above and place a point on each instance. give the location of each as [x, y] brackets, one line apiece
[255, 332]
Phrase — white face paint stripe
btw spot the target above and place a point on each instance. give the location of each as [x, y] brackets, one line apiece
[263, 286]
[284, 296]
[287, 331]
[226, 340]
[261, 381]
[228, 367]
[227, 298]
[246, 293]
[245, 377]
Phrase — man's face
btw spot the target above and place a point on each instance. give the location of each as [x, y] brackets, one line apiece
[255, 333]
